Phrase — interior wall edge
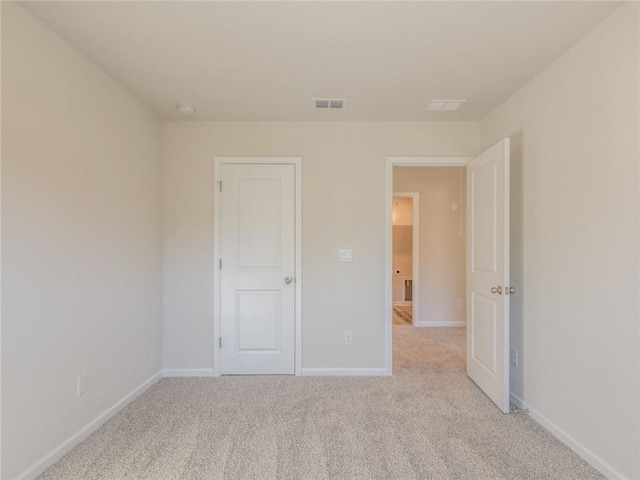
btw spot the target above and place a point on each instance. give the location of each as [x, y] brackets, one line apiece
[589, 456]
[69, 444]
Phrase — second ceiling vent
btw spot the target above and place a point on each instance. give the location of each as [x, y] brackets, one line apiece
[330, 103]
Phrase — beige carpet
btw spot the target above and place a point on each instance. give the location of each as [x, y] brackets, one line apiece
[429, 421]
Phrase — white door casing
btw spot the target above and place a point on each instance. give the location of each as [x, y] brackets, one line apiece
[488, 273]
[257, 244]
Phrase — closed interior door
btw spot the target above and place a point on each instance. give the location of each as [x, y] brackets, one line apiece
[488, 272]
[257, 245]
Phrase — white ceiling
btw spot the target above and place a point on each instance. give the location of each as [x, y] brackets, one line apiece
[267, 60]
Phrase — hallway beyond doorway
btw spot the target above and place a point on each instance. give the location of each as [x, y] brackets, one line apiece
[403, 315]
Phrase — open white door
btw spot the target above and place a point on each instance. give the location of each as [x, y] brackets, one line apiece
[488, 273]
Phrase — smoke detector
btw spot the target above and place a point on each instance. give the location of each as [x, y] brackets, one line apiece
[329, 103]
[186, 109]
[445, 105]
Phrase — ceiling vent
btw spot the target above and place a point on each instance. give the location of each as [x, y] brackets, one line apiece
[445, 105]
[330, 103]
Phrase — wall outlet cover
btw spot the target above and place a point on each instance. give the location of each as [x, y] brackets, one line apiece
[83, 384]
[514, 358]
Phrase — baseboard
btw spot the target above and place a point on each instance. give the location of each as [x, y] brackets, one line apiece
[57, 453]
[187, 372]
[594, 460]
[440, 324]
[345, 372]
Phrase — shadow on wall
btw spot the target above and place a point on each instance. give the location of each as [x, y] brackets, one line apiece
[516, 326]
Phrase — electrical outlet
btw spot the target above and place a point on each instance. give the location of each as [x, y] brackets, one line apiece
[514, 358]
[460, 303]
[348, 337]
[83, 384]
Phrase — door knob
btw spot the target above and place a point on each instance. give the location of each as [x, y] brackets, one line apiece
[497, 289]
[288, 280]
[509, 290]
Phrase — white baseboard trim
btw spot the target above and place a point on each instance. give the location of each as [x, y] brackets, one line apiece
[345, 372]
[60, 451]
[594, 460]
[187, 372]
[440, 324]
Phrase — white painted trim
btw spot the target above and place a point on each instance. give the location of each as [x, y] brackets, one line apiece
[217, 328]
[415, 250]
[65, 447]
[345, 372]
[440, 324]
[396, 161]
[417, 161]
[594, 460]
[188, 372]
[388, 267]
[0, 251]
[298, 271]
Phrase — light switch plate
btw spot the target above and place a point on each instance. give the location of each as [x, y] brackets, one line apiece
[346, 255]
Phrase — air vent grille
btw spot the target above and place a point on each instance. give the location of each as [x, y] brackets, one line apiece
[330, 103]
[445, 105]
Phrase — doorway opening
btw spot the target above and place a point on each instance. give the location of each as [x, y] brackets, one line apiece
[406, 231]
[425, 215]
[484, 308]
[429, 246]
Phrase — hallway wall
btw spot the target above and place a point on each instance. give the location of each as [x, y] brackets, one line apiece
[442, 241]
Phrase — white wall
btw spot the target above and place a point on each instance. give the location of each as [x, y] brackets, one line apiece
[344, 206]
[575, 317]
[81, 240]
[402, 211]
[442, 248]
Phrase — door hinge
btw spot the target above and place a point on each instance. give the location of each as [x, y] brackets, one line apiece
[220, 264]
[220, 342]
[220, 186]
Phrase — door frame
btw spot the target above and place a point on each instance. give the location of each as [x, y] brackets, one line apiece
[415, 251]
[403, 161]
[218, 161]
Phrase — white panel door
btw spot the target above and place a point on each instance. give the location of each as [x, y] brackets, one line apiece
[488, 272]
[257, 245]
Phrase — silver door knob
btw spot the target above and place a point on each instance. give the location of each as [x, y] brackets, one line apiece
[509, 290]
[288, 280]
[497, 289]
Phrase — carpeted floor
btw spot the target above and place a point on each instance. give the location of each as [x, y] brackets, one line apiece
[428, 421]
